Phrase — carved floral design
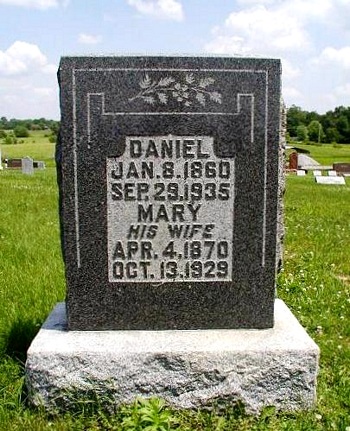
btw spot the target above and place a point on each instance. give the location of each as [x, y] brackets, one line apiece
[187, 92]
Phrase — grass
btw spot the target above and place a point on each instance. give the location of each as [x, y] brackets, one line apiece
[36, 146]
[327, 154]
[314, 282]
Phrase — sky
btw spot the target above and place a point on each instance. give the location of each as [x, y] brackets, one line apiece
[311, 37]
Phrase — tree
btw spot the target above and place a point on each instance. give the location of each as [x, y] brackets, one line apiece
[302, 133]
[315, 131]
[4, 123]
[21, 132]
[295, 117]
[332, 134]
[343, 128]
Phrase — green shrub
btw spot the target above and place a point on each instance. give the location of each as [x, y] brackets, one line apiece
[21, 132]
[10, 139]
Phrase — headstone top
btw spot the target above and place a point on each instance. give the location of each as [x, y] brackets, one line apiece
[169, 170]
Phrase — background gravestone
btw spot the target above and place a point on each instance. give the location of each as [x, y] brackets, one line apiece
[169, 191]
[293, 160]
[27, 166]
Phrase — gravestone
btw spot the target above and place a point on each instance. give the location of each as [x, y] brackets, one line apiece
[301, 173]
[169, 174]
[14, 163]
[317, 173]
[332, 180]
[38, 164]
[342, 168]
[332, 173]
[27, 166]
[293, 160]
[153, 150]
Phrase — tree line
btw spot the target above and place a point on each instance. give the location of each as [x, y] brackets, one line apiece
[331, 127]
[11, 130]
[37, 124]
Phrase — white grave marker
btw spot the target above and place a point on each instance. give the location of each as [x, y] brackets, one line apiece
[331, 180]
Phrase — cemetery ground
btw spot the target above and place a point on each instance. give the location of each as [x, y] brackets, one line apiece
[314, 283]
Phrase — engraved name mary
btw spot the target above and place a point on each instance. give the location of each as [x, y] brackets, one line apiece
[170, 204]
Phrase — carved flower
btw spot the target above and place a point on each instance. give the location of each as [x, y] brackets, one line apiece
[181, 92]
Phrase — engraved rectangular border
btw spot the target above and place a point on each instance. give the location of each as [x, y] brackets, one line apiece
[138, 69]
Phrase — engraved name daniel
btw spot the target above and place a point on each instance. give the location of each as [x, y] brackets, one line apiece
[170, 203]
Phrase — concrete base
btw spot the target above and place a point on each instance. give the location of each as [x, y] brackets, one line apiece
[189, 369]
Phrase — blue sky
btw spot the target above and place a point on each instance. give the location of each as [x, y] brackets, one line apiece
[312, 37]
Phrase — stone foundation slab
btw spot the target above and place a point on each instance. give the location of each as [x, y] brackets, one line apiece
[189, 369]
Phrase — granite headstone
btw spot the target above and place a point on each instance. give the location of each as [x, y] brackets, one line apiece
[169, 185]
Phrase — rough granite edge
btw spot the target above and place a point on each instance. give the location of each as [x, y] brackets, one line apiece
[189, 369]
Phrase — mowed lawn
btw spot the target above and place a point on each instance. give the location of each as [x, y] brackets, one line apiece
[314, 282]
[327, 154]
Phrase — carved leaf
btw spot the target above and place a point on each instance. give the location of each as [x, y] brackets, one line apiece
[201, 98]
[203, 83]
[146, 82]
[149, 99]
[164, 82]
[162, 97]
[189, 78]
[215, 96]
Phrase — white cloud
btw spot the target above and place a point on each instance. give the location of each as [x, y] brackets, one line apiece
[289, 71]
[36, 4]
[28, 83]
[89, 39]
[22, 58]
[29, 97]
[294, 30]
[291, 93]
[50, 69]
[336, 57]
[343, 90]
[168, 9]
[254, 2]
[260, 30]
[272, 27]
[44, 91]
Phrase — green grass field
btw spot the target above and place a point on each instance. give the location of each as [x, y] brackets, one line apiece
[327, 154]
[314, 282]
[36, 146]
